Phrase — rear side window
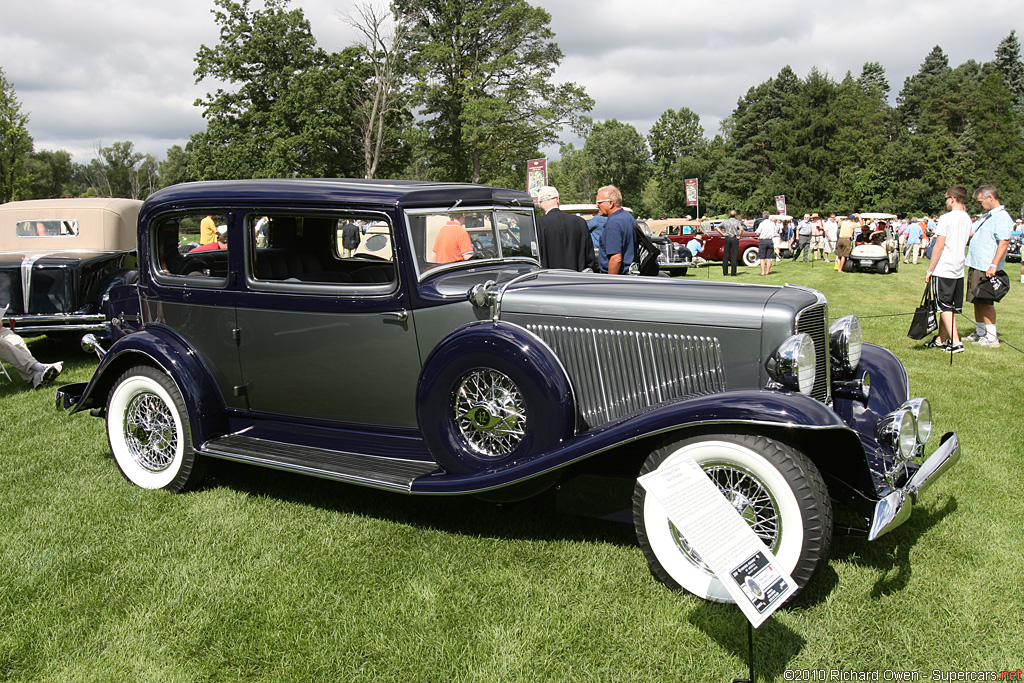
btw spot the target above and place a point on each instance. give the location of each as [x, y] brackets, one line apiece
[47, 228]
[193, 245]
[353, 250]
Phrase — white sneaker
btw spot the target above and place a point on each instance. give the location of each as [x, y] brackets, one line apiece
[972, 337]
[993, 343]
[48, 373]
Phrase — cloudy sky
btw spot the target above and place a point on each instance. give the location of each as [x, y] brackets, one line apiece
[93, 72]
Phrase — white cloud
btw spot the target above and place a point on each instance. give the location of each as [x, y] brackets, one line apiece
[92, 70]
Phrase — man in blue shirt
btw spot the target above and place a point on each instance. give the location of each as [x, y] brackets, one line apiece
[990, 236]
[618, 241]
[914, 235]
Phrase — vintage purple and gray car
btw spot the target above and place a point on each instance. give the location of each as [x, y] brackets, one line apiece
[59, 260]
[325, 337]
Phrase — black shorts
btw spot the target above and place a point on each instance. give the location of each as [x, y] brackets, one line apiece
[948, 293]
[765, 249]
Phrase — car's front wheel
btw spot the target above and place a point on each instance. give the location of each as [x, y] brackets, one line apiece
[776, 489]
[148, 431]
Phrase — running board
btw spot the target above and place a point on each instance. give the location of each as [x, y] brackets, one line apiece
[355, 468]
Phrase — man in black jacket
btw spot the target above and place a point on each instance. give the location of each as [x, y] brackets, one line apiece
[563, 238]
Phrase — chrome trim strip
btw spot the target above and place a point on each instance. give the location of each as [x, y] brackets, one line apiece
[26, 277]
[56, 318]
[617, 373]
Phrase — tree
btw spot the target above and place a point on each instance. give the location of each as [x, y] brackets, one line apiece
[1009, 64]
[674, 135]
[1000, 148]
[293, 95]
[175, 168]
[915, 87]
[49, 174]
[120, 171]
[381, 109]
[483, 81]
[15, 142]
[616, 154]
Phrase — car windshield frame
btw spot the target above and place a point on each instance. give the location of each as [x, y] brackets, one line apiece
[483, 224]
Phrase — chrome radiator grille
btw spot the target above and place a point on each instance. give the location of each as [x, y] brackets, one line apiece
[617, 373]
[814, 321]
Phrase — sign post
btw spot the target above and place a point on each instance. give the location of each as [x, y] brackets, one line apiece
[692, 195]
[746, 568]
[536, 176]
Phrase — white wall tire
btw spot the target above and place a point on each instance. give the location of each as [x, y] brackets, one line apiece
[750, 257]
[148, 431]
[775, 486]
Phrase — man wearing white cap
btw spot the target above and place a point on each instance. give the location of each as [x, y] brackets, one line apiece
[563, 238]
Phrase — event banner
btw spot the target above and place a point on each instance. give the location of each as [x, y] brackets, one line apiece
[714, 528]
[780, 204]
[691, 192]
[536, 176]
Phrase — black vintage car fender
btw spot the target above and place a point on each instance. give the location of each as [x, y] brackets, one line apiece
[161, 348]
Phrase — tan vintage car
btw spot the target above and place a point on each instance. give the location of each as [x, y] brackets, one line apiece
[59, 259]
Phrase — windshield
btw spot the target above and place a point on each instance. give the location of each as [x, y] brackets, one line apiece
[442, 237]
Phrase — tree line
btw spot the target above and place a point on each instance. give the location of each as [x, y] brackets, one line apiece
[827, 146]
[460, 90]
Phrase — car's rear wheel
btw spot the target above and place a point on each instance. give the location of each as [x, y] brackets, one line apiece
[749, 256]
[777, 489]
[882, 267]
[148, 431]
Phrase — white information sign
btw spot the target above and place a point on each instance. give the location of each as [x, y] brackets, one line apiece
[713, 527]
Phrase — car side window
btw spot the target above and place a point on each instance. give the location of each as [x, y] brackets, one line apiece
[192, 245]
[352, 250]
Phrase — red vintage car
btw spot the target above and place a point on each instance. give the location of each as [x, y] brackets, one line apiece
[714, 243]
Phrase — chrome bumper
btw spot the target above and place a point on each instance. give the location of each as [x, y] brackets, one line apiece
[895, 508]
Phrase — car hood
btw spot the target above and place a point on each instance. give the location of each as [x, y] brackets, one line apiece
[647, 299]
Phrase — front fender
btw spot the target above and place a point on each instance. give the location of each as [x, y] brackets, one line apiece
[160, 348]
[890, 387]
[793, 418]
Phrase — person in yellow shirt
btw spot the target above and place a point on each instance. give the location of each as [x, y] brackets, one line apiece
[207, 230]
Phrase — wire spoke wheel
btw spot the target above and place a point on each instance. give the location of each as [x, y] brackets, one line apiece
[150, 432]
[490, 412]
[775, 488]
[750, 497]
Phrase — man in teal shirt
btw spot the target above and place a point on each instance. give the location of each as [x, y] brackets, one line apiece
[990, 236]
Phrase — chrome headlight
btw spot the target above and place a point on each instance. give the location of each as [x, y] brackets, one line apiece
[792, 364]
[899, 430]
[922, 411]
[845, 341]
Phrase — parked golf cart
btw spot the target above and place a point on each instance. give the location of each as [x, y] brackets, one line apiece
[881, 252]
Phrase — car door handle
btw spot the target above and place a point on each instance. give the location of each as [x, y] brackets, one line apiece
[400, 316]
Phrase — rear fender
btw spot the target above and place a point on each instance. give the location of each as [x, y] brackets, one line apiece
[162, 349]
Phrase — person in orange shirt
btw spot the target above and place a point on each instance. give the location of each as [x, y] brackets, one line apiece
[452, 242]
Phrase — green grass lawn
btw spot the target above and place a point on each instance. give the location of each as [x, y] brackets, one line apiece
[272, 577]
